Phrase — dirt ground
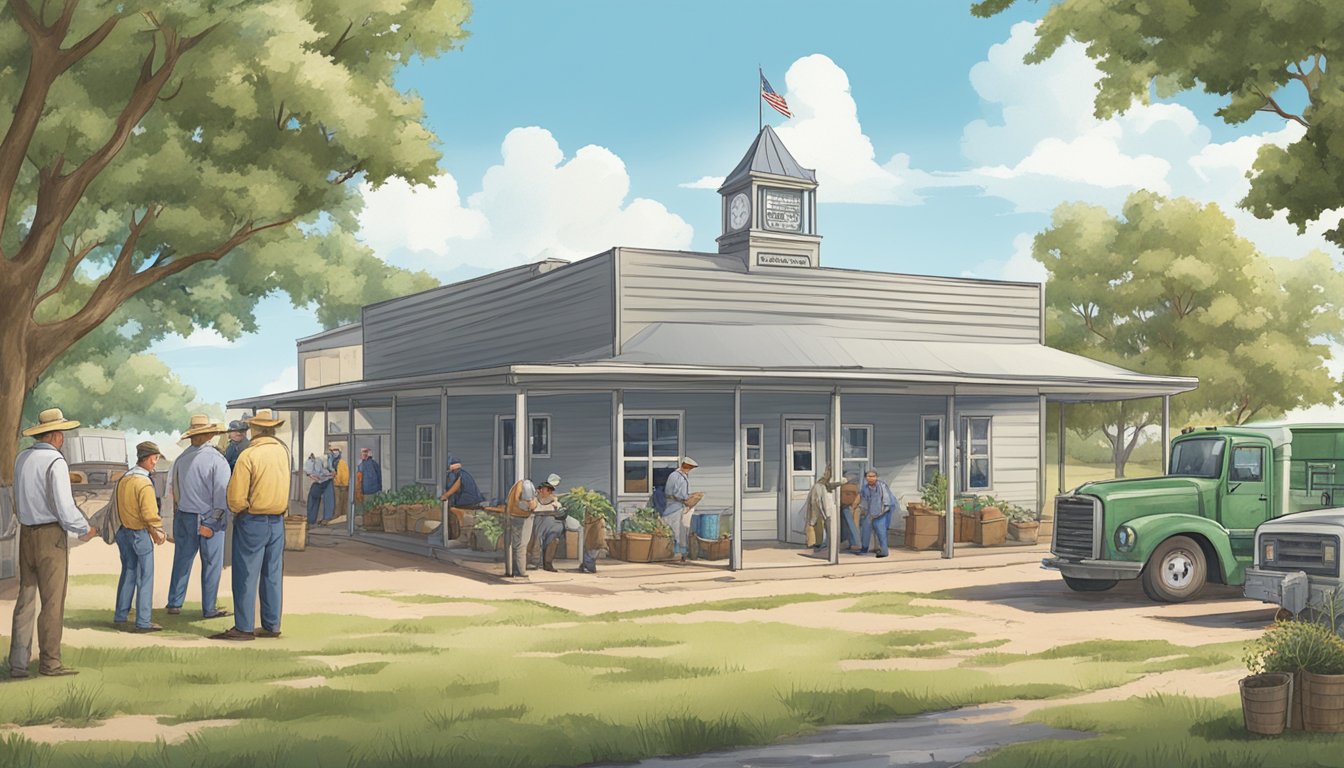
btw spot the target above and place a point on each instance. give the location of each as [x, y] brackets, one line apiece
[1003, 596]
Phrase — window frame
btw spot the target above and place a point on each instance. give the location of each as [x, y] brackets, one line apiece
[1232, 467]
[942, 448]
[964, 449]
[868, 450]
[747, 462]
[502, 419]
[421, 458]
[650, 458]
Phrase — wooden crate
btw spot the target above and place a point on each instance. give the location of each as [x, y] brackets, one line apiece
[296, 533]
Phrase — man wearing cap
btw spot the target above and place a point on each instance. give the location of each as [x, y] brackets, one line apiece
[678, 490]
[319, 493]
[459, 487]
[237, 441]
[141, 530]
[369, 476]
[258, 496]
[47, 515]
[549, 523]
[340, 471]
[200, 484]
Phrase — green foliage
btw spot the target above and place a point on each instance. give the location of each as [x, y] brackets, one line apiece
[582, 504]
[646, 520]
[407, 494]
[935, 491]
[1293, 646]
[489, 525]
[1169, 288]
[1262, 55]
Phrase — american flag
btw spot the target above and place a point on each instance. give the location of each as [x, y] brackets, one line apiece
[773, 99]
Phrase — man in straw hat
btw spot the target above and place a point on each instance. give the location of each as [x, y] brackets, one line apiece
[141, 530]
[200, 485]
[47, 515]
[680, 499]
[259, 498]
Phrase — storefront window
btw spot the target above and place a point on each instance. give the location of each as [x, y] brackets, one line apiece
[650, 449]
[976, 448]
[541, 437]
[424, 453]
[931, 448]
[751, 446]
[857, 450]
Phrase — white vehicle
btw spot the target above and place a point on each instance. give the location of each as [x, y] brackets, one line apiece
[1297, 562]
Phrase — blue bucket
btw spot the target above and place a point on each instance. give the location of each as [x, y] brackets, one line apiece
[707, 527]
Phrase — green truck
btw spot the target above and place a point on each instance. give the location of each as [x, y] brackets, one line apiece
[1197, 523]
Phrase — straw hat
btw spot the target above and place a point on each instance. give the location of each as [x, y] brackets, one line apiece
[50, 420]
[201, 425]
[265, 418]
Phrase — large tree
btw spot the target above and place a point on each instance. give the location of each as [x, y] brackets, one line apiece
[167, 166]
[1168, 287]
[1264, 55]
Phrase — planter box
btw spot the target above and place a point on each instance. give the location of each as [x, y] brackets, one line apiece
[1024, 532]
[296, 533]
[373, 518]
[712, 549]
[991, 533]
[964, 530]
[924, 531]
[394, 520]
[637, 547]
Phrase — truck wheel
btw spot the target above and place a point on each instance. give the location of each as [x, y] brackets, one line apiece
[1089, 585]
[1176, 572]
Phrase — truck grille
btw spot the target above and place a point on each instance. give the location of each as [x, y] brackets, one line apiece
[1075, 527]
[1301, 552]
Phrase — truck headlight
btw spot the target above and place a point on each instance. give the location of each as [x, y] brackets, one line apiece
[1125, 538]
[1329, 554]
[1267, 552]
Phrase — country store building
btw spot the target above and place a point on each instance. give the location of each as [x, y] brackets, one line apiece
[756, 360]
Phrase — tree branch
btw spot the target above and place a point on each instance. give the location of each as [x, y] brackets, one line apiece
[72, 263]
[349, 173]
[1273, 106]
[344, 36]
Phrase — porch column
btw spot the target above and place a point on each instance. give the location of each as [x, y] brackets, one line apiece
[349, 466]
[299, 454]
[617, 450]
[391, 469]
[950, 441]
[1166, 434]
[443, 430]
[735, 556]
[1062, 486]
[522, 452]
[837, 470]
[1040, 461]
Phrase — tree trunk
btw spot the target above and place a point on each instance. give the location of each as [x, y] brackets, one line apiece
[12, 395]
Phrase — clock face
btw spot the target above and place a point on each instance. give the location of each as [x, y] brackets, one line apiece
[739, 210]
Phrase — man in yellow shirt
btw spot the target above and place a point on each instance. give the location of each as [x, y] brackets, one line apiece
[341, 481]
[259, 498]
[141, 529]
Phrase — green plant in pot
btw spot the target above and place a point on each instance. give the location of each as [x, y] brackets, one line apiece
[489, 527]
[1304, 660]
[935, 492]
[1022, 523]
[583, 504]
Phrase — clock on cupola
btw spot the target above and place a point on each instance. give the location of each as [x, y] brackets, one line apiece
[770, 208]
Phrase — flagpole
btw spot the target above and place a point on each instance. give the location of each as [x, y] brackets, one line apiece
[760, 121]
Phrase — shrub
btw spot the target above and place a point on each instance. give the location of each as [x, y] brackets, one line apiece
[1294, 645]
[583, 504]
[935, 491]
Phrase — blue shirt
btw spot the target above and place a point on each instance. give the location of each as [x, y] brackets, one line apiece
[200, 479]
[469, 495]
[678, 489]
[877, 500]
[372, 480]
[42, 491]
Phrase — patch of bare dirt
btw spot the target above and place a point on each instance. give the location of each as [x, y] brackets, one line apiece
[137, 728]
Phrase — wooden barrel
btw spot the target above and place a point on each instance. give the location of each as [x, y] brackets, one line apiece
[1264, 702]
[1323, 702]
[296, 533]
[638, 546]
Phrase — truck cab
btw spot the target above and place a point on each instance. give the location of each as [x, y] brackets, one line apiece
[1197, 523]
[1296, 563]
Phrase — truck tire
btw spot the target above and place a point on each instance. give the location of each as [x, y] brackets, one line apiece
[1176, 572]
[1089, 585]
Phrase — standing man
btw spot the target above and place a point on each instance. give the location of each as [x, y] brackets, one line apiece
[319, 471]
[237, 441]
[818, 508]
[369, 476]
[678, 489]
[518, 509]
[141, 530]
[549, 526]
[47, 514]
[200, 483]
[258, 497]
[340, 480]
[876, 502]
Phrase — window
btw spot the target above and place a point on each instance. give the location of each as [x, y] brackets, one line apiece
[650, 449]
[856, 450]
[1248, 463]
[930, 448]
[424, 453]
[1198, 457]
[541, 437]
[752, 437]
[975, 470]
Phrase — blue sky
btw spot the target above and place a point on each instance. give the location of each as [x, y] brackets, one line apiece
[570, 127]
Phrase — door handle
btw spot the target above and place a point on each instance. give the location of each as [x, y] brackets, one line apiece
[1264, 498]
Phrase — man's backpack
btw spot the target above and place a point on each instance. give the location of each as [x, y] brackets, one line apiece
[659, 499]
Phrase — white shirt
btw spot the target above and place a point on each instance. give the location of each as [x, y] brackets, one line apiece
[42, 489]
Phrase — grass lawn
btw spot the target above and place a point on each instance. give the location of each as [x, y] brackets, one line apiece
[524, 684]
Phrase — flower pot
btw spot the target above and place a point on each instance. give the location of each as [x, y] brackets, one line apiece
[964, 531]
[924, 531]
[1323, 702]
[991, 533]
[661, 548]
[1265, 702]
[296, 533]
[638, 546]
[1024, 532]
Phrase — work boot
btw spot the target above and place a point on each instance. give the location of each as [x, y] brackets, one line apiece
[548, 557]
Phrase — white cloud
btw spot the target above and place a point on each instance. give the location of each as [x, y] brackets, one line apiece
[287, 381]
[704, 182]
[201, 337]
[1020, 267]
[536, 204]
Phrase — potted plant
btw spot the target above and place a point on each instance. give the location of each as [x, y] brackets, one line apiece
[586, 505]
[967, 509]
[487, 533]
[934, 498]
[660, 548]
[1306, 659]
[637, 534]
[1022, 523]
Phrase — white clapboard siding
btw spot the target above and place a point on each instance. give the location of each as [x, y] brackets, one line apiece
[537, 313]
[715, 289]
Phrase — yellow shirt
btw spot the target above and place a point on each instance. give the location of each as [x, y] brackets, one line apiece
[136, 505]
[260, 482]
[342, 473]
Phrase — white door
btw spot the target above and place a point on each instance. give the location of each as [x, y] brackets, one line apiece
[799, 473]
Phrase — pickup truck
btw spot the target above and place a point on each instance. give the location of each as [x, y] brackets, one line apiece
[1197, 523]
[1297, 564]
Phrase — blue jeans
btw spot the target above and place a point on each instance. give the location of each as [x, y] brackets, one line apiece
[678, 532]
[880, 524]
[847, 532]
[321, 495]
[186, 534]
[590, 559]
[137, 576]
[258, 563]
